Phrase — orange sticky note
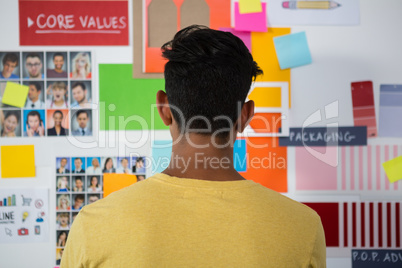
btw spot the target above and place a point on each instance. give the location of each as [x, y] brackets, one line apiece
[12, 156]
[263, 51]
[113, 182]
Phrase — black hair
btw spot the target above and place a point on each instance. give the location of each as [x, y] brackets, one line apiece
[139, 159]
[208, 74]
[34, 113]
[78, 178]
[82, 111]
[10, 113]
[79, 196]
[58, 54]
[33, 55]
[10, 57]
[58, 112]
[36, 85]
[78, 84]
[107, 160]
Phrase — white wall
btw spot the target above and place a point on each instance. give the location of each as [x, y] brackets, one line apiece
[370, 51]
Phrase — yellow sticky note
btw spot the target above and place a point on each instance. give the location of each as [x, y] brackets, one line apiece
[17, 161]
[113, 182]
[393, 169]
[263, 51]
[15, 94]
[250, 6]
[266, 97]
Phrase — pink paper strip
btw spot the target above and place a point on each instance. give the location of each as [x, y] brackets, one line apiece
[352, 168]
[252, 22]
[396, 155]
[386, 159]
[369, 174]
[361, 186]
[343, 168]
[378, 166]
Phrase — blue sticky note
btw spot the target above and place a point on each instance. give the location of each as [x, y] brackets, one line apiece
[161, 152]
[292, 50]
[239, 155]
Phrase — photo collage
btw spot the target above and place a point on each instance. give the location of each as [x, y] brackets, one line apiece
[79, 182]
[60, 93]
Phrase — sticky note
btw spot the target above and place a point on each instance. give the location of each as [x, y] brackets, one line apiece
[114, 182]
[17, 161]
[292, 50]
[264, 54]
[250, 6]
[393, 169]
[252, 22]
[136, 98]
[15, 94]
[244, 36]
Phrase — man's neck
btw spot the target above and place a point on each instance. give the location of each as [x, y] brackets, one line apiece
[35, 100]
[36, 77]
[58, 70]
[209, 163]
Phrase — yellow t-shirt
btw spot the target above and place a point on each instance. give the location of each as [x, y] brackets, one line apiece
[167, 221]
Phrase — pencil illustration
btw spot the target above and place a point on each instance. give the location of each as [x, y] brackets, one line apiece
[310, 4]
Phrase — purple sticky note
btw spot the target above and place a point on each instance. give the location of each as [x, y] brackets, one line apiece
[244, 36]
[252, 22]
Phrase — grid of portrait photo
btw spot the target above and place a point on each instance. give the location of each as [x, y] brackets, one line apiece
[79, 182]
[60, 94]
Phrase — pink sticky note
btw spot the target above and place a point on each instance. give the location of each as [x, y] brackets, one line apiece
[244, 36]
[252, 22]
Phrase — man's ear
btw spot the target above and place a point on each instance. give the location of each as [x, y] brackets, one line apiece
[246, 114]
[163, 107]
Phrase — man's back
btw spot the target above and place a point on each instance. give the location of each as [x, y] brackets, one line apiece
[176, 222]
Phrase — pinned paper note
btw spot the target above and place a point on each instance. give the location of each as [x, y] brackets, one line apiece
[393, 169]
[250, 6]
[390, 111]
[11, 158]
[15, 94]
[292, 50]
[114, 182]
[252, 22]
[244, 36]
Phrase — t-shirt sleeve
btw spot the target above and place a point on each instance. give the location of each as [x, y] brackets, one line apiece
[318, 255]
[74, 252]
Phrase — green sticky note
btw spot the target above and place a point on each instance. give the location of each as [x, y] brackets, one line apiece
[126, 103]
[15, 94]
[393, 169]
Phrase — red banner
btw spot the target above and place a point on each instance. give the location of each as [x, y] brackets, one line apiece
[74, 23]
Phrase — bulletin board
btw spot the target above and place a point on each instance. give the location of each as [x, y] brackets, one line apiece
[366, 49]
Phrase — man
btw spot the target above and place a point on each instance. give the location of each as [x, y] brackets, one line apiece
[79, 93]
[33, 101]
[33, 64]
[78, 166]
[62, 169]
[58, 62]
[124, 167]
[10, 62]
[78, 202]
[204, 214]
[82, 119]
[34, 125]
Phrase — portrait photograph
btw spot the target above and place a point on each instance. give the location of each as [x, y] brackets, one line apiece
[10, 63]
[10, 123]
[80, 65]
[33, 65]
[57, 95]
[57, 122]
[56, 64]
[34, 123]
